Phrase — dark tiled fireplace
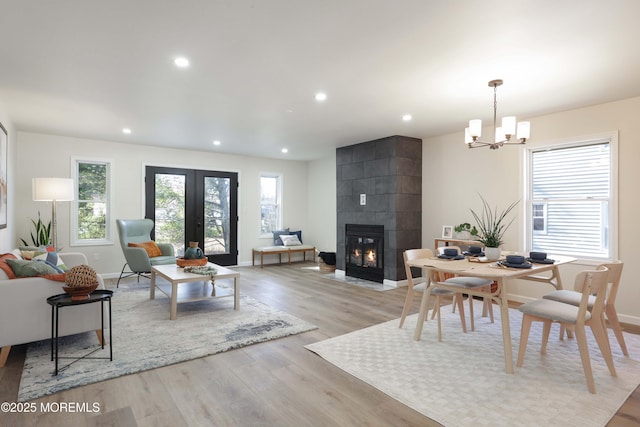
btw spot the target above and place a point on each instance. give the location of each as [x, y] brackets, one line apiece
[380, 182]
[364, 257]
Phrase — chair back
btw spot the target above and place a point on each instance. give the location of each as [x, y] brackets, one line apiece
[592, 282]
[134, 231]
[411, 254]
[615, 272]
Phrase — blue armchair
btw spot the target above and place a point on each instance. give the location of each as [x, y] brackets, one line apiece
[137, 231]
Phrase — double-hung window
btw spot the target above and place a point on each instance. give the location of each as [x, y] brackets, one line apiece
[91, 214]
[571, 199]
[270, 204]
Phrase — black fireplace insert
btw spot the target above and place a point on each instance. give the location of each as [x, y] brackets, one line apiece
[365, 252]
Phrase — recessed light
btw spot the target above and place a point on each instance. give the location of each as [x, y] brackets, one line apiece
[407, 118]
[181, 62]
[321, 96]
[216, 142]
[126, 130]
[285, 150]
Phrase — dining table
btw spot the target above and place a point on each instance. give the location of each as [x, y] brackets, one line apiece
[494, 270]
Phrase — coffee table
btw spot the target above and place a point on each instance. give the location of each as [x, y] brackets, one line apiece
[193, 287]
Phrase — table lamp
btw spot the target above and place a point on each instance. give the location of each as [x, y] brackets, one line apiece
[53, 190]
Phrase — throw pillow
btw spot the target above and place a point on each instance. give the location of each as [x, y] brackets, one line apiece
[6, 267]
[277, 241]
[290, 240]
[299, 234]
[52, 259]
[60, 277]
[24, 268]
[151, 247]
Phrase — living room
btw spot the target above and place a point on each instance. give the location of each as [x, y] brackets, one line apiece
[452, 175]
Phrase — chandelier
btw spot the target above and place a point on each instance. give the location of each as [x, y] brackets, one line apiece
[503, 134]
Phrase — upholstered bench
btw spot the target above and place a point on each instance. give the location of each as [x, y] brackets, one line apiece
[279, 250]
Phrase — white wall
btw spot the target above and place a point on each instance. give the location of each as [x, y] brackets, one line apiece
[49, 155]
[453, 176]
[321, 200]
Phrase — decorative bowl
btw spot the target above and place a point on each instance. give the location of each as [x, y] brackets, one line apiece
[80, 293]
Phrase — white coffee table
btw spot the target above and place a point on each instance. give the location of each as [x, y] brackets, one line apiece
[194, 287]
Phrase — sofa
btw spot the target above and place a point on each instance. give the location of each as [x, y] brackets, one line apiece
[25, 315]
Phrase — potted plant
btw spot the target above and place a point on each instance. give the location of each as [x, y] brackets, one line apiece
[42, 236]
[492, 225]
[465, 231]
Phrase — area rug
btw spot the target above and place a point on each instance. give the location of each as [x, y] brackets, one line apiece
[461, 381]
[145, 338]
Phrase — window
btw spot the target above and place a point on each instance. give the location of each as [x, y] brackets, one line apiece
[91, 214]
[571, 200]
[270, 204]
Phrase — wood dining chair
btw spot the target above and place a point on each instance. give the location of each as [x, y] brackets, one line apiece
[418, 285]
[472, 283]
[573, 297]
[575, 318]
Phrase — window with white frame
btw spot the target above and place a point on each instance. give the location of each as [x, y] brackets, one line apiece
[270, 203]
[571, 200]
[92, 210]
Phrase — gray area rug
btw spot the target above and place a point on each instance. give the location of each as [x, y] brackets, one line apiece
[462, 382]
[145, 338]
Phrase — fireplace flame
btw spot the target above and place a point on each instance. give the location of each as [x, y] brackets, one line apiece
[371, 255]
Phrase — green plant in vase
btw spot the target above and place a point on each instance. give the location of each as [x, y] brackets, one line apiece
[42, 236]
[492, 224]
[465, 231]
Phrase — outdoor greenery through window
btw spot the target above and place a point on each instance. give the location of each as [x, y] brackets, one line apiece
[92, 213]
[571, 200]
[270, 204]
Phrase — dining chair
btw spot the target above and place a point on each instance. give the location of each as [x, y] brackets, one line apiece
[574, 318]
[471, 283]
[573, 297]
[418, 285]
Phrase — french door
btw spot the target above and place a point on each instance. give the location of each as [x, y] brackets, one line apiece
[189, 205]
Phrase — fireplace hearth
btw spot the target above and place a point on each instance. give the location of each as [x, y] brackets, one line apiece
[364, 257]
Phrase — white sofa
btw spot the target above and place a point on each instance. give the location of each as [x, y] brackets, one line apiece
[25, 315]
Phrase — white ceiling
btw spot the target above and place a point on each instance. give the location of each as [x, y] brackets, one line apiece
[88, 68]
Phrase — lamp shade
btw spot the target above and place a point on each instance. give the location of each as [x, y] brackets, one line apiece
[53, 189]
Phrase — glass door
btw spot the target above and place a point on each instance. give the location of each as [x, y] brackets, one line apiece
[194, 205]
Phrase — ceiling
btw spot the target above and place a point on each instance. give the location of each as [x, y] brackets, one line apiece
[89, 68]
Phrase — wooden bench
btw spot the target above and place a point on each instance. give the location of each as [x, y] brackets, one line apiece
[279, 250]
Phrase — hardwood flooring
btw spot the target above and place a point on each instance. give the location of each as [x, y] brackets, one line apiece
[277, 383]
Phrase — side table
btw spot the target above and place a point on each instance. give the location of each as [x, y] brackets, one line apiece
[64, 300]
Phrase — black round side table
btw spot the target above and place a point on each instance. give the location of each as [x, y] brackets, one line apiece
[65, 300]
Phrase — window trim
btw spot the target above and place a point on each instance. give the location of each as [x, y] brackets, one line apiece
[73, 238]
[610, 137]
[279, 200]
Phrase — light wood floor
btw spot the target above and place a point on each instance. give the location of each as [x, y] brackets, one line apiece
[277, 383]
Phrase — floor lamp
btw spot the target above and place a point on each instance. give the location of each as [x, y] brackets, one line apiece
[53, 190]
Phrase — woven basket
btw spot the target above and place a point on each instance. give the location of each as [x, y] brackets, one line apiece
[326, 268]
[191, 262]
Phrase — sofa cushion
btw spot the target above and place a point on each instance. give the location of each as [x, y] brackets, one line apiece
[290, 240]
[52, 259]
[24, 268]
[277, 241]
[6, 268]
[151, 247]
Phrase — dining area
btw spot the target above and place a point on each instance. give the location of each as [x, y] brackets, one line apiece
[450, 273]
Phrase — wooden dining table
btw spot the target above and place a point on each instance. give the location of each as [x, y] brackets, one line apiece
[502, 276]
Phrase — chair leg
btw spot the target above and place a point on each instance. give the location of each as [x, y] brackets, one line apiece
[524, 337]
[121, 273]
[459, 300]
[600, 333]
[407, 304]
[4, 354]
[581, 337]
[612, 316]
[473, 326]
[546, 329]
[437, 308]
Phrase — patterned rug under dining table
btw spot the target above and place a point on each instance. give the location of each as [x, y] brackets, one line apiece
[493, 271]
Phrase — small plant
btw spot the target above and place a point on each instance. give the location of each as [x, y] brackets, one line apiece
[42, 236]
[466, 227]
[492, 224]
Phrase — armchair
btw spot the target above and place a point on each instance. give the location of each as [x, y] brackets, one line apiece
[138, 231]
